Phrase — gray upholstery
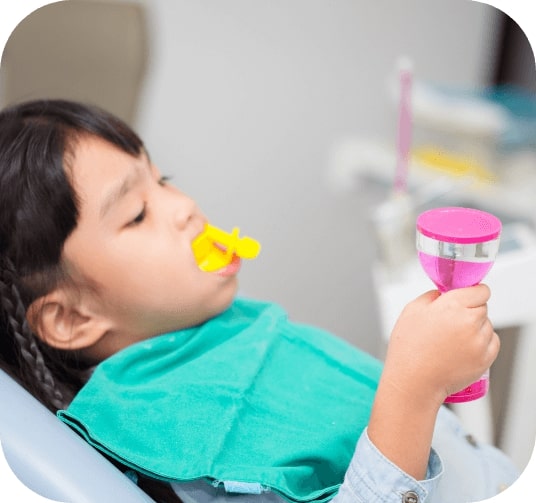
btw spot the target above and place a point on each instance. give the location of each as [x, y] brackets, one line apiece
[51, 459]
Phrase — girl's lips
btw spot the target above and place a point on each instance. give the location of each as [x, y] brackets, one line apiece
[232, 268]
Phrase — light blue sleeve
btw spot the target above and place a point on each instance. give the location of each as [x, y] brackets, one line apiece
[372, 477]
[459, 469]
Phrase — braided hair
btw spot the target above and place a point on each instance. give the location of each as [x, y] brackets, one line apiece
[38, 211]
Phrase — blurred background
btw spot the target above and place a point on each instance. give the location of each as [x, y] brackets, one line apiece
[281, 117]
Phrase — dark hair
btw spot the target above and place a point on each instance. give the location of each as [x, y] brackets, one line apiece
[38, 211]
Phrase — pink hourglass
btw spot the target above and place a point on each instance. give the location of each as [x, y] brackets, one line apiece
[456, 247]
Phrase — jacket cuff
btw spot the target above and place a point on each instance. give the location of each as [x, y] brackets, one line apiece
[373, 477]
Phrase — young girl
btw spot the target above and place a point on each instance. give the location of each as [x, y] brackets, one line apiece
[107, 318]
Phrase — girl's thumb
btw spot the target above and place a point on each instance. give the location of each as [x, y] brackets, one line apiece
[428, 297]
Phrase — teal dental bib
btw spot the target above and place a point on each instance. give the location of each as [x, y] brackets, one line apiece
[247, 399]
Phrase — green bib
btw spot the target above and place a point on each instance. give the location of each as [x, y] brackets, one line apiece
[247, 397]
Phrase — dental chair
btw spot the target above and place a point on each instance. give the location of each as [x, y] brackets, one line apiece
[49, 458]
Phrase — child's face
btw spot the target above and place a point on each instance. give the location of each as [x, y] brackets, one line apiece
[133, 240]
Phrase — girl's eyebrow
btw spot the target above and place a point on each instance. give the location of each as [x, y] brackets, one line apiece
[118, 191]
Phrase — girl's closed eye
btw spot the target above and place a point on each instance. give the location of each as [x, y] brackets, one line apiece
[140, 217]
[164, 179]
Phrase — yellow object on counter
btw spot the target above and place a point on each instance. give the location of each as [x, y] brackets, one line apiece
[452, 164]
[214, 248]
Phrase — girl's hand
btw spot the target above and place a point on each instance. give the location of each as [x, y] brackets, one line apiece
[441, 343]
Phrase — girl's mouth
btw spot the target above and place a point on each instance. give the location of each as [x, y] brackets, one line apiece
[230, 269]
[218, 251]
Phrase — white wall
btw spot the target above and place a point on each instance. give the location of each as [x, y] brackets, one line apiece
[244, 101]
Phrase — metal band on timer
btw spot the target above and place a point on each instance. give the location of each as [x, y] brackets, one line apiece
[471, 252]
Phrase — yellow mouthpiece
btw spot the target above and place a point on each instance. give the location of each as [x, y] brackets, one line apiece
[214, 248]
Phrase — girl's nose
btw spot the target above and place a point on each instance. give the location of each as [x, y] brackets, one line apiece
[184, 210]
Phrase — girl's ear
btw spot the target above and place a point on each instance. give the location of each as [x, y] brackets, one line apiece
[63, 322]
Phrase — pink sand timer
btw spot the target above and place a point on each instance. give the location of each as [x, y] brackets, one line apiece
[456, 247]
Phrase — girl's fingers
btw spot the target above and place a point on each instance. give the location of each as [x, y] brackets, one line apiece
[494, 346]
[472, 296]
[480, 315]
[491, 343]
